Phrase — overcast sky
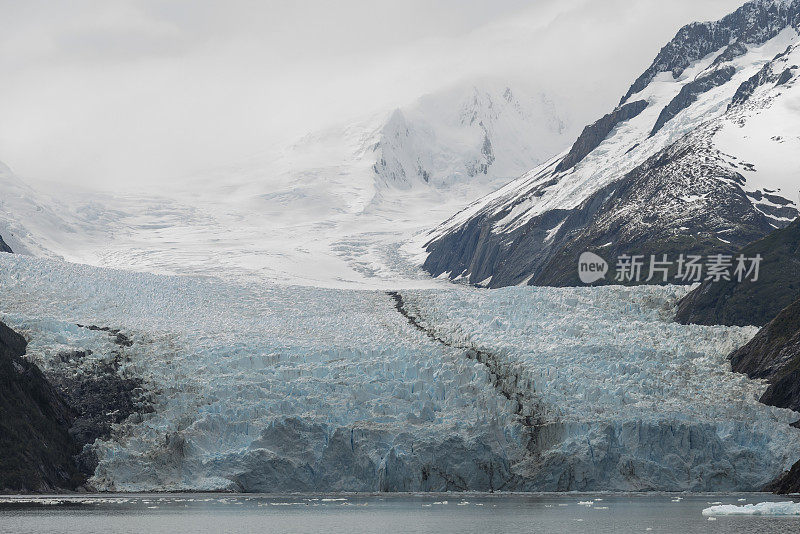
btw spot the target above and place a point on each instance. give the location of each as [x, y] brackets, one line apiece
[107, 93]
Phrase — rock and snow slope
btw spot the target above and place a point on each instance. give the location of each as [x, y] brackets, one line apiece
[703, 155]
[329, 209]
[274, 388]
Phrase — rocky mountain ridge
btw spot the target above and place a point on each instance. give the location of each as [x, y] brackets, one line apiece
[708, 165]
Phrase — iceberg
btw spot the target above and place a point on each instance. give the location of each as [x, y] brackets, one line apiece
[763, 508]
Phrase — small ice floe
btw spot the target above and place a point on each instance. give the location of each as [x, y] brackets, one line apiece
[677, 499]
[786, 508]
[35, 500]
[741, 500]
[463, 503]
[478, 504]
[333, 500]
[712, 518]
[586, 503]
[440, 502]
[601, 507]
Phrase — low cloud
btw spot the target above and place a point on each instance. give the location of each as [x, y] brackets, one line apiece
[113, 94]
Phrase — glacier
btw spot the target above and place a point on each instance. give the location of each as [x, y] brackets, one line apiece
[261, 387]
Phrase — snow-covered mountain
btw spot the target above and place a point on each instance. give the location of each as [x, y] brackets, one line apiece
[488, 132]
[328, 209]
[701, 156]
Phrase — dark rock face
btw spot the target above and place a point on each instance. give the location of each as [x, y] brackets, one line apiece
[643, 213]
[751, 303]
[99, 398]
[785, 76]
[49, 422]
[98, 403]
[788, 483]
[596, 133]
[753, 23]
[762, 77]
[4, 247]
[36, 449]
[733, 51]
[774, 354]
[690, 92]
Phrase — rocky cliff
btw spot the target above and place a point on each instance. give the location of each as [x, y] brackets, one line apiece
[36, 449]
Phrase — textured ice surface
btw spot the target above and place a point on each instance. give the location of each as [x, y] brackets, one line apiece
[275, 388]
[633, 399]
[762, 508]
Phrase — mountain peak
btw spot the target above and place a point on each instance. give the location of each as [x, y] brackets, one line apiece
[755, 22]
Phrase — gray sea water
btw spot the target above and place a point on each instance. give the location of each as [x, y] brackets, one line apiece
[383, 513]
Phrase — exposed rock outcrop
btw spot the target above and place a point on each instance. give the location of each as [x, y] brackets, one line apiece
[754, 22]
[751, 303]
[36, 449]
[690, 92]
[774, 355]
[50, 420]
[645, 212]
[596, 133]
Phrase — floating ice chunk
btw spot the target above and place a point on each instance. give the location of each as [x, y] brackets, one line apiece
[762, 508]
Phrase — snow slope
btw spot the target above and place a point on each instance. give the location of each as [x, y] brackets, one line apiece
[329, 209]
[729, 91]
[264, 387]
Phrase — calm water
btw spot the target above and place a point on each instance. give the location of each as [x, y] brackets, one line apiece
[354, 514]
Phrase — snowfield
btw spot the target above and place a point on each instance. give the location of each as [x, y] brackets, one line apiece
[263, 387]
[329, 209]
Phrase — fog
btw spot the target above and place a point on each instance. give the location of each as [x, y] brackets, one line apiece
[111, 94]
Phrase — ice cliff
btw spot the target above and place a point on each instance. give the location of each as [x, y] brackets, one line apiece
[273, 388]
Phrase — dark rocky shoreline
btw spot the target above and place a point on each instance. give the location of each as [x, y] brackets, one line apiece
[50, 421]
